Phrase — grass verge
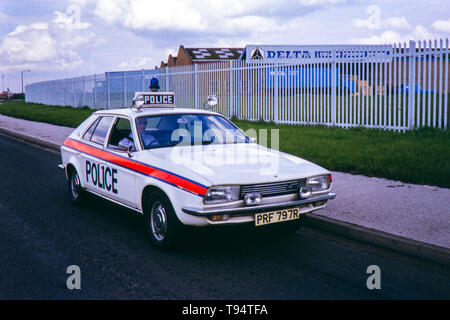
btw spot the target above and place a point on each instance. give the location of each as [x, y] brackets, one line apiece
[61, 116]
[419, 156]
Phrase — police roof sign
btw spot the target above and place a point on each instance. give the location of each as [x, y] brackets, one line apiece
[286, 54]
[155, 99]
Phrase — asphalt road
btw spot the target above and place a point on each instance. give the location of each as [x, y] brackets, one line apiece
[42, 233]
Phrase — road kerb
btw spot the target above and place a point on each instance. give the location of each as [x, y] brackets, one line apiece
[31, 139]
[418, 249]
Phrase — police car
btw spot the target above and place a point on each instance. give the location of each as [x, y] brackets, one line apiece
[193, 167]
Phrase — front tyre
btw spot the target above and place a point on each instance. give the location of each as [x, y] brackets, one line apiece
[76, 192]
[162, 225]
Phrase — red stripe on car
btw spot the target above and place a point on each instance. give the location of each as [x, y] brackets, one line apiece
[136, 166]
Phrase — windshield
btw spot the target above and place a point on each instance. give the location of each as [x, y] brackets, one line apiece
[187, 129]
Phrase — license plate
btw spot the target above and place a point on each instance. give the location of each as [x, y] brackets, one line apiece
[276, 216]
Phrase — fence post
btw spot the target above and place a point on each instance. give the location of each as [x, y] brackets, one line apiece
[446, 84]
[412, 83]
[83, 103]
[333, 88]
[73, 92]
[124, 89]
[231, 89]
[143, 80]
[93, 90]
[109, 90]
[195, 87]
[275, 116]
[167, 79]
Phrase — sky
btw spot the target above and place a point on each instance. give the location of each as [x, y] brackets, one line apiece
[58, 39]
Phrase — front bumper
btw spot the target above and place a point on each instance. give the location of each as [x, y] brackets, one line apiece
[260, 208]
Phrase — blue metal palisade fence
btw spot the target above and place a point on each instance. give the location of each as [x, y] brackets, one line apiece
[407, 90]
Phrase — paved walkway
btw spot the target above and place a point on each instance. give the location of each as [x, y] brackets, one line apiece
[39, 130]
[416, 212]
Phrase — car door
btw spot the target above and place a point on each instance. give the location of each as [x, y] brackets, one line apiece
[120, 179]
[91, 156]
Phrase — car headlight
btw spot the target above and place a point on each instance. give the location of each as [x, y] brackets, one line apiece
[319, 183]
[221, 194]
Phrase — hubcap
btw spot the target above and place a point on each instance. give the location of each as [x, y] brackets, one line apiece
[75, 185]
[158, 221]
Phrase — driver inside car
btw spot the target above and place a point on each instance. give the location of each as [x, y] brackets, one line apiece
[147, 139]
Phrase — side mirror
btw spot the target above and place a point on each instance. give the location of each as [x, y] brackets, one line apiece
[210, 102]
[128, 148]
[129, 151]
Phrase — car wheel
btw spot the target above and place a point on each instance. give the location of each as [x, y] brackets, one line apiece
[76, 192]
[162, 225]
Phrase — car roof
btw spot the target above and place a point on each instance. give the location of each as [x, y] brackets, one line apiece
[133, 113]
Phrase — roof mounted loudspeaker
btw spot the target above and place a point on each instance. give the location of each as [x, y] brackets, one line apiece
[210, 102]
[153, 100]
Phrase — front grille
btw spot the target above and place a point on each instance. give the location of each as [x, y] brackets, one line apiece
[274, 188]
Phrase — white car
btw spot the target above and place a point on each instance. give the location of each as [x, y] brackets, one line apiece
[192, 167]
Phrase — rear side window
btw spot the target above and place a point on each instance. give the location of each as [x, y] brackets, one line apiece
[101, 130]
[88, 134]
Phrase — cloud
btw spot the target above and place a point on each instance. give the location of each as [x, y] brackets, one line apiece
[386, 37]
[390, 36]
[71, 19]
[420, 33]
[216, 17]
[43, 45]
[136, 63]
[399, 23]
[373, 21]
[394, 29]
[22, 28]
[442, 25]
[151, 15]
[3, 17]
[249, 25]
[311, 3]
[21, 46]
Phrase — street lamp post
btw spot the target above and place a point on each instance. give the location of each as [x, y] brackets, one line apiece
[22, 77]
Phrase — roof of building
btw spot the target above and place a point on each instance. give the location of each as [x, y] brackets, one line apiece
[214, 53]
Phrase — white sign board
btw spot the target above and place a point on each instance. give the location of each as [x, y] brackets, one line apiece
[314, 54]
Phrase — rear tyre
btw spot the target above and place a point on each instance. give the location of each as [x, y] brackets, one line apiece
[161, 223]
[76, 192]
